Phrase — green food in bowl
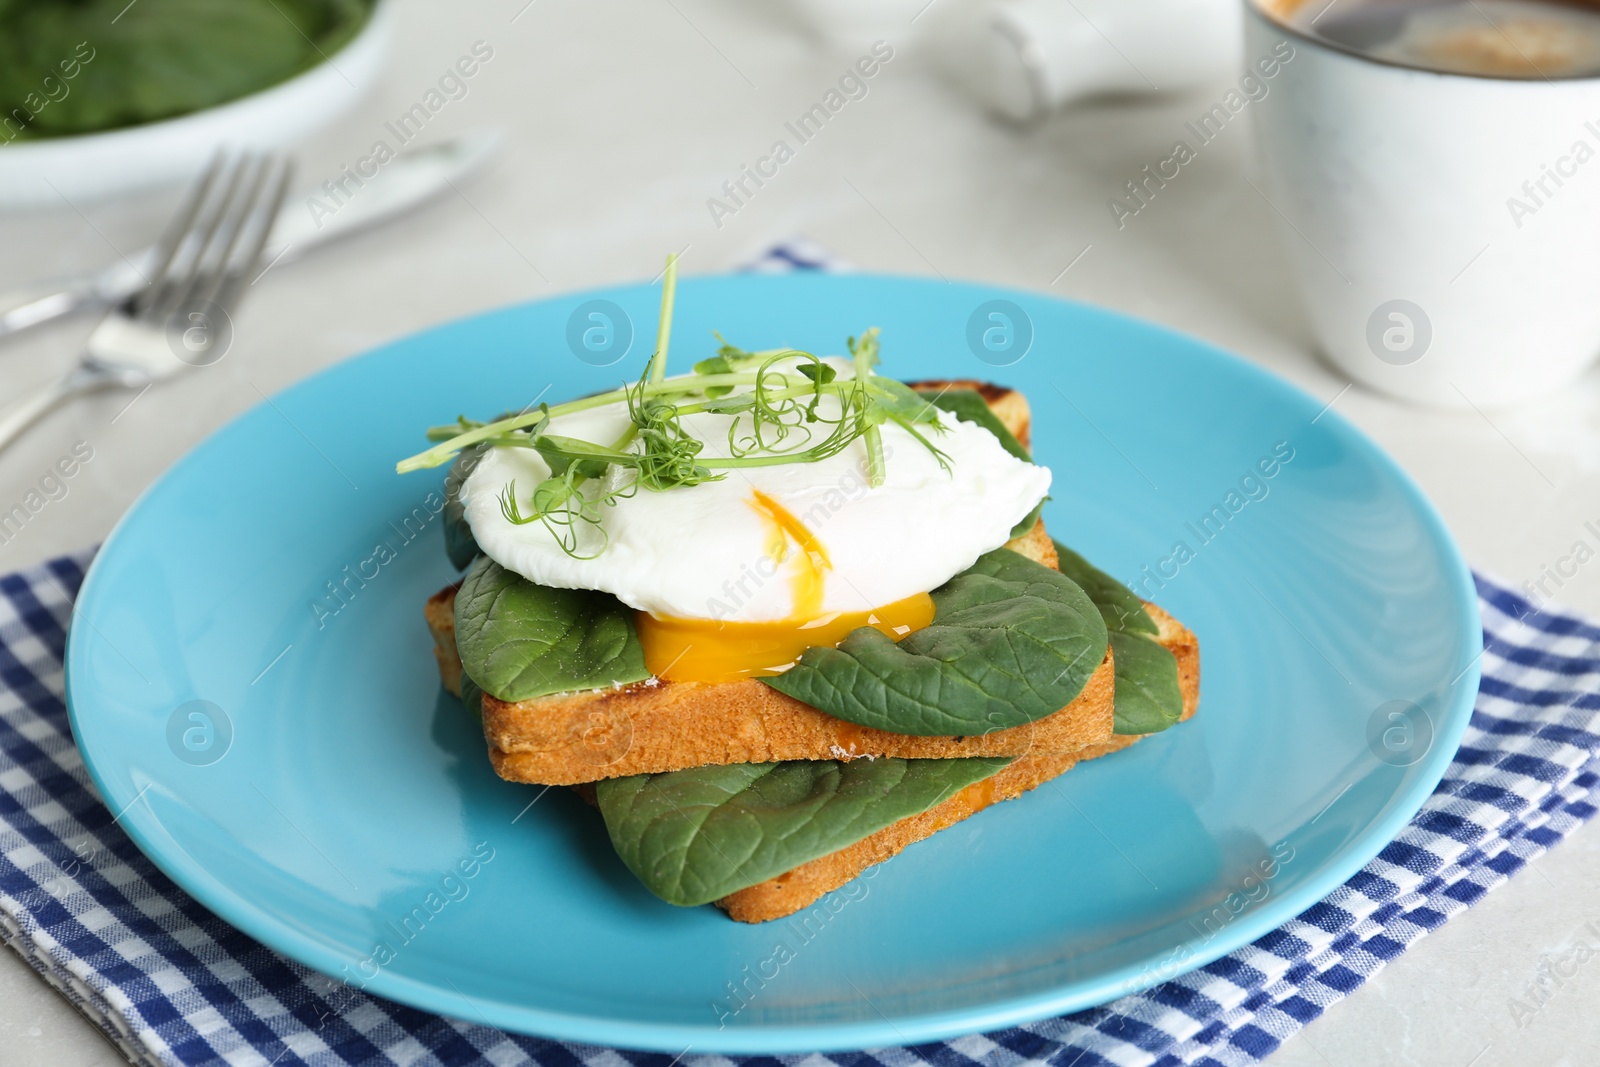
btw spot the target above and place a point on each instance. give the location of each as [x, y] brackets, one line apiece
[81, 66]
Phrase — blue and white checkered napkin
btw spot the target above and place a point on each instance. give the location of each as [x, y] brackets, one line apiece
[170, 983]
[173, 984]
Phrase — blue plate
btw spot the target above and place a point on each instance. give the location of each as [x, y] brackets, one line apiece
[251, 684]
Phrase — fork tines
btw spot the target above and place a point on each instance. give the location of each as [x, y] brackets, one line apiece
[212, 244]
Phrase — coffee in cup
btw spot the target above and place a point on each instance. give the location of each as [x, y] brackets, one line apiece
[1486, 38]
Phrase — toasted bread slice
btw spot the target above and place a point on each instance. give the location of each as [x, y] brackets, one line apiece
[655, 726]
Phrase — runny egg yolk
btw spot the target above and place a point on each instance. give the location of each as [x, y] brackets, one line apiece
[713, 650]
[708, 650]
[782, 527]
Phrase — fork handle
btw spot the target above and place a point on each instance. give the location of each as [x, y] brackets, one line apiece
[19, 416]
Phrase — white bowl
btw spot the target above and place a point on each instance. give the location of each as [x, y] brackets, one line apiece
[93, 165]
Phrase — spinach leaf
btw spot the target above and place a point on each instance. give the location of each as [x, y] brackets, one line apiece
[1011, 641]
[968, 405]
[696, 835]
[1028, 520]
[471, 696]
[68, 68]
[1123, 612]
[1148, 697]
[459, 544]
[519, 640]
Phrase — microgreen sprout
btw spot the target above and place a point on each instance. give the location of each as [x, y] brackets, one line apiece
[775, 401]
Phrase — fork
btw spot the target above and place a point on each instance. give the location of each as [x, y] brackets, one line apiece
[180, 318]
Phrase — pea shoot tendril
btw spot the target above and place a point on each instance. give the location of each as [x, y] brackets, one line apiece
[775, 400]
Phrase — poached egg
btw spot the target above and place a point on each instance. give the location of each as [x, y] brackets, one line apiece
[737, 577]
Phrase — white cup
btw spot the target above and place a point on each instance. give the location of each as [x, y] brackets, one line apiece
[1444, 228]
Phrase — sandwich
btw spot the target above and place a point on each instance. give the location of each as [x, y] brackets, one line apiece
[782, 616]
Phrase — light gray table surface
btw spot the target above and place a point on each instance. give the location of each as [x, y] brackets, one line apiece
[622, 119]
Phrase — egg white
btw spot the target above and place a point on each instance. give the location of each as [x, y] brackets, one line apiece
[701, 551]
